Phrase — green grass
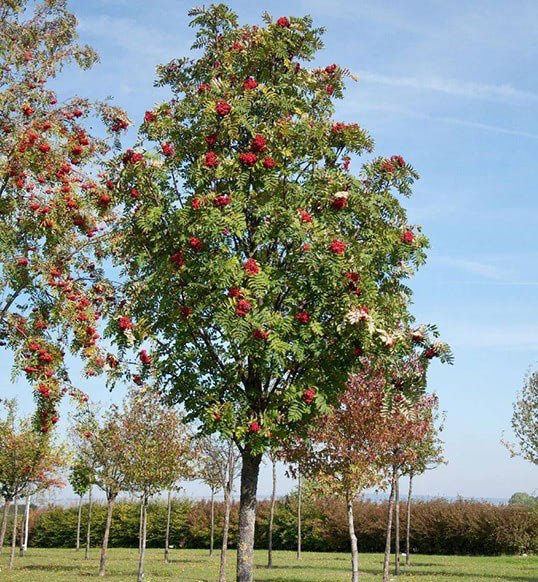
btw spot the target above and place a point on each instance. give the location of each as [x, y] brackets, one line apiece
[196, 566]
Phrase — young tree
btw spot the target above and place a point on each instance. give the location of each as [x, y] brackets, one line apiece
[51, 205]
[29, 462]
[158, 450]
[80, 480]
[102, 446]
[404, 429]
[257, 264]
[343, 450]
[428, 454]
[273, 461]
[525, 421]
[220, 466]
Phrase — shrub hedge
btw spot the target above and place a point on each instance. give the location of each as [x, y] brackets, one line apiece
[438, 526]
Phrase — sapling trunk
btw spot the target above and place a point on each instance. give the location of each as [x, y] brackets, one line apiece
[271, 518]
[24, 527]
[89, 526]
[5, 514]
[79, 519]
[227, 490]
[14, 534]
[386, 560]
[299, 515]
[397, 526]
[408, 522]
[104, 548]
[212, 532]
[143, 530]
[247, 514]
[353, 540]
[167, 534]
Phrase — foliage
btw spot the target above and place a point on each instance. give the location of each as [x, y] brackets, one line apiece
[214, 461]
[159, 449]
[80, 476]
[439, 526]
[52, 206]
[525, 421]
[30, 461]
[355, 445]
[521, 498]
[257, 265]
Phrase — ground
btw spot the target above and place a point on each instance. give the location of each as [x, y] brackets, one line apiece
[196, 566]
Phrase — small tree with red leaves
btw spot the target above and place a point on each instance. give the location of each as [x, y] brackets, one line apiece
[29, 462]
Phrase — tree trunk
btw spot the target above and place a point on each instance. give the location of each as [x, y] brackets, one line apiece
[271, 518]
[167, 535]
[353, 539]
[386, 561]
[89, 526]
[79, 519]
[7, 505]
[140, 525]
[397, 526]
[143, 529]
[104, 547]
[408, 522]
[212, 533]
[299, 515]
[247, 514]
[228, 489]
[24, 528]
[14, 534]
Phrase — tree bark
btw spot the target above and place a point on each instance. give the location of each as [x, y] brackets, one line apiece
[110, 507]
[79, 519]
[408, 522]
[14, 534]
[353, 539]
[228, 489]
[386, 561]
[140, 525]
[247, 514]
[88, 526]
[7, 505]
[167, 535]
[24, 527]
[212, 533]
[143, 530]
[397, 526]
[271, 518]
[299, 515]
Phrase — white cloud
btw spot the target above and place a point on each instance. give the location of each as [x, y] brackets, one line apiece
[485, 270]
[131, 37]
[350, 108]
[458, 88]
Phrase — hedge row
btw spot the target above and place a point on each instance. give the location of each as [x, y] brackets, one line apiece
[438, 527]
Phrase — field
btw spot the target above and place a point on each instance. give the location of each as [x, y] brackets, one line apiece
[196, 566]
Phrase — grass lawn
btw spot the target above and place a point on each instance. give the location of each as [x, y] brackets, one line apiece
[196, 566]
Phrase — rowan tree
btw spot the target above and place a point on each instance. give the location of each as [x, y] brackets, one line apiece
[52, 205]
[254, 262]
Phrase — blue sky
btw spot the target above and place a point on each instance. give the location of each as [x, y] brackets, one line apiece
[451, 86]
